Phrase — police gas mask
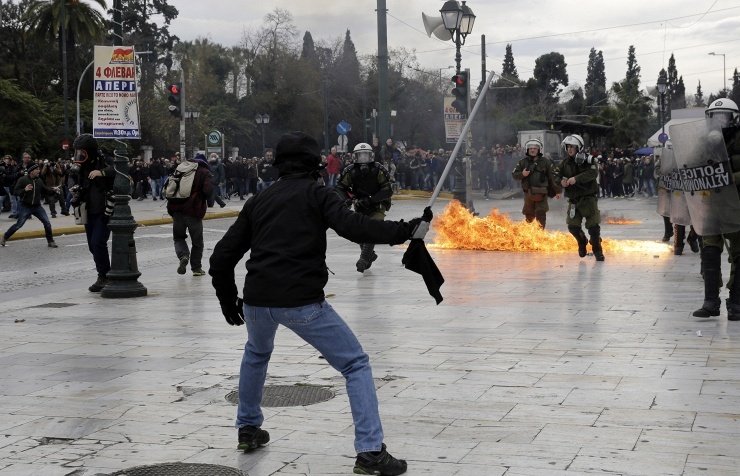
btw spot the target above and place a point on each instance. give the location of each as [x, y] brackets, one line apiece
[81, 156]
[580, 158]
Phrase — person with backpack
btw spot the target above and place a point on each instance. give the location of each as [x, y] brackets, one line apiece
[187, 193]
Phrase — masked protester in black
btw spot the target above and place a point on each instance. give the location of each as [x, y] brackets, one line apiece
[95, 182]
[284, 226]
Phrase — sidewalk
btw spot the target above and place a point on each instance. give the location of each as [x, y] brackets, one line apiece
[534, 364]
[148, 212]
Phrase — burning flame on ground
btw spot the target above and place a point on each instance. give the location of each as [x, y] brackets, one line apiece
[620, 220]
[457, 228]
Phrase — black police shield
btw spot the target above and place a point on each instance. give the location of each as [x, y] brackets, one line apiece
[703, 173]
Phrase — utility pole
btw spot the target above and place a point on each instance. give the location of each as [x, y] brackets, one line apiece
[384, 110]
[63, 32]
[480, 89]
[183, 89]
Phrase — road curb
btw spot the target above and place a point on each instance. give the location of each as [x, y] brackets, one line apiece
[76, 229]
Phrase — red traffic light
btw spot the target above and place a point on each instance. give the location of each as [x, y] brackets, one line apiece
[459, 79]
[174, 89]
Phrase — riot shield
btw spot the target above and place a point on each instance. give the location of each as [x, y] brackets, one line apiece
[664, 165]
[703, 174]
[679, 210]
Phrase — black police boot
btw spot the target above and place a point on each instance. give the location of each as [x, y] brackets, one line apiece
[580, 237]
[668, 229]
[733, 303]
[595, 233]
[679, 232]
[733, 311]
[693, 240]
[711, 262]
[541, 219]
[367, 256]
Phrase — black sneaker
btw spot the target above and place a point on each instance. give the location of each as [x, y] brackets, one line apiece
[251, 437]
[184, 260]
[98, 285]
[379, 463]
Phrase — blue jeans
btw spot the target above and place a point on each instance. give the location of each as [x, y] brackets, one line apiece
[24, 211]
[13, 201]
[320, 326]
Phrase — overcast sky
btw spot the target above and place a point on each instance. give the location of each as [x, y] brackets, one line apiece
[688, 28]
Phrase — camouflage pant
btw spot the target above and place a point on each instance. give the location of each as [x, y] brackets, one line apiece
[583, 208]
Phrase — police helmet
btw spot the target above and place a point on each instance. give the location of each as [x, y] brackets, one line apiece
[574, 140]
[534, 143]
[723, 110]
[363, 153]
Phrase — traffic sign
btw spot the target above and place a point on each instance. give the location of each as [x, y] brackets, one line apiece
[342, 143]
[214, 138]
[343, 127]
[663, 138]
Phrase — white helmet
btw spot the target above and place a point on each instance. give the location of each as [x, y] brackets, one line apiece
[534, 143]
[724, 110]
[363, 153]
[575, 140]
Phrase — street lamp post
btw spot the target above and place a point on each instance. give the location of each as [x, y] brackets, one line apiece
[662, 86]
[724, 70]
[458, 20]
[192, 115]
[262, 119]
[440, 75]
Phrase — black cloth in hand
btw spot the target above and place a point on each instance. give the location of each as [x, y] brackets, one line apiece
[427, 215]
[233, 311]
[413, 225]
[417, 259]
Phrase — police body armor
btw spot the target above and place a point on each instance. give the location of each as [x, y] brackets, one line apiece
[367, 180]
[537, 181]
[570, 168]
[705, 175]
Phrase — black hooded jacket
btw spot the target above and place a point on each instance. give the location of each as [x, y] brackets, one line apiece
[285, 227]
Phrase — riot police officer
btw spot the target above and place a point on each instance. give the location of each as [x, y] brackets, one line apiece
[537, 175]
[578, 174]
[722, 114]
[367, 186]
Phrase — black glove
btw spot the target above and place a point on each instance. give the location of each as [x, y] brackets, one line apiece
[427, 215]
[363, 203]
[233, 311]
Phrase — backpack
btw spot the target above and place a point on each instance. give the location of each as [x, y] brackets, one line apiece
[179, 186]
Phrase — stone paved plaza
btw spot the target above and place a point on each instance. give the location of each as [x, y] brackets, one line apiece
[534, 364]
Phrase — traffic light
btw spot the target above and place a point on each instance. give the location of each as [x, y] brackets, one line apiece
[174, 95]
[461, 92]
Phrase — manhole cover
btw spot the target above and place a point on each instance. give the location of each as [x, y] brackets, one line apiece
[179, 469]
[55, 305]
[288, 395]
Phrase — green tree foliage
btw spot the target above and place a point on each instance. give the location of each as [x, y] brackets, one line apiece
[549, 76]
[20, 107]
[699, 97]
[735, 91]
[631, 111]
[595, 90]
[676, 90]
[508, 68]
